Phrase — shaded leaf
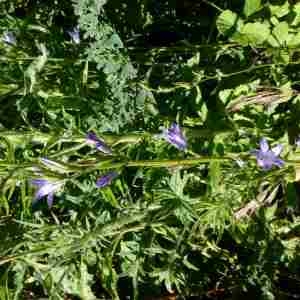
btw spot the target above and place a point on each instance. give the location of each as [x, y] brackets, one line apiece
[280, 10]
[296, 11]
[251, 6]
[226, 21]
[281, 33]
[255, 33]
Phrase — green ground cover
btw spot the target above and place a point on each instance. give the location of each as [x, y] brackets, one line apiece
[149, 149]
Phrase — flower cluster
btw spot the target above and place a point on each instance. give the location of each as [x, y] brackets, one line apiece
[47, 187]
[266, 159]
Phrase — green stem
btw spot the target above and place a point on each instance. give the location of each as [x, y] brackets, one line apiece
[109, 164]
[175, 163]
[39, 137]
[213, 5]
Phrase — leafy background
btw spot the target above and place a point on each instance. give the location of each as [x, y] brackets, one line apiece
[227, 72]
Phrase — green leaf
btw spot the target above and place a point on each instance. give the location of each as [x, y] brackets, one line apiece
[291, 195]
[84, 283]
[296, 11]
[255, 33]
[282, 56]
[281, 34]
[6, 88]
[36, 67]
[251, 6]
[226, 21]
[280, 10]
[294, 40]
[194, 60]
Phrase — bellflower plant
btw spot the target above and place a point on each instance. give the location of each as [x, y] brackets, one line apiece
[174, 136]
[91, 138]
[74, 35]
[46, 188]
[106, 179]
[266, 157]
[9, 38]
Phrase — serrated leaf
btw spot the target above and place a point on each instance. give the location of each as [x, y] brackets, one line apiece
[251, 7]
[226, 21]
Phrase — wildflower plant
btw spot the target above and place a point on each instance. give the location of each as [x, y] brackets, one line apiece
[46, 188]
[174, 136]
[196, 210]
[91, 138]
[105, 180]
[266, 157]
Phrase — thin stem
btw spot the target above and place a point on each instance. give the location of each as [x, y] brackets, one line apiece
[175, 163]
[213, 5]
[31, 58]
[180, 85]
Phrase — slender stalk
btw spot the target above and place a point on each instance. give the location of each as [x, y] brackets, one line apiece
[111, 164]
[175, 163]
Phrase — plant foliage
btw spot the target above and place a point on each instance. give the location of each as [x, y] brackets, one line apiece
[152, 126]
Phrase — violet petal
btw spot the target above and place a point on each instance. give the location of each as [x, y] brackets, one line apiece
[264, 146]
[106, 179]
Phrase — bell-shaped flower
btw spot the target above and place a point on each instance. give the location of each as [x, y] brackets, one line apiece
[47, 188]
[266, 157]
[92, 139]
[106, 179]
[174, 136]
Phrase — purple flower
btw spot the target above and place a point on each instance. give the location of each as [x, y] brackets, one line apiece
[46, 188]
[91, 138]
[267, 157]
[74, 34]
[174, 136]
[9, 38]
[106, 179]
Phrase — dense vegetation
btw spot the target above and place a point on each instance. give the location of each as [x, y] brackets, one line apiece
[149, 149]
